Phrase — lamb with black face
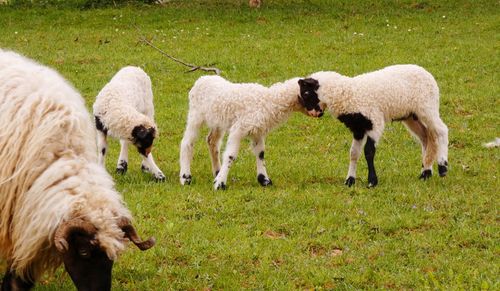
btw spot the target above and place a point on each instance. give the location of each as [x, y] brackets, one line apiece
[309, 96]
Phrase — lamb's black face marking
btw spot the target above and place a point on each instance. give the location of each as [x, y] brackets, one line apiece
[309, 97]
[88, 266]
[11, 282]
[143, 139]
[99, 125]
[357, 123]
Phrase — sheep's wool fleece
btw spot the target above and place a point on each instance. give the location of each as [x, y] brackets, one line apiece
[254, 109]
[125, 102]
[48, 168]
[392, 93]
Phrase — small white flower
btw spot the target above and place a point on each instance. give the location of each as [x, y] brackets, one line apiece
[15, 32]
[395, 27]
[409, 29]
[355, 33]
[444, 16]
[116, 29]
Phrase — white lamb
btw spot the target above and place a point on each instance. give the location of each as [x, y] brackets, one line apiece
[124, 109]
[244, 110]
[364, 103]
[57, 205]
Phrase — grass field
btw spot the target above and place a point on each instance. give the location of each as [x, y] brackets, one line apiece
[307, 231]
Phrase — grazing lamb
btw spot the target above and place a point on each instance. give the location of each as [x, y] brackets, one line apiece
[57, 204]
[364, 103]
[124, 109]
[244, 110]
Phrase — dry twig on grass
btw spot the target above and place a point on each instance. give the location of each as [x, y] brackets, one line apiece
[143, 39]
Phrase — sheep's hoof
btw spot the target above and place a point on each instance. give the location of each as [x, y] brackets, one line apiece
[372, 182]
[350, 181]
[122, 167]
[144, 169]
[443, 169]
[426, 174]
[186, 179]
[160, 177]
[220, 186]
[264, 181]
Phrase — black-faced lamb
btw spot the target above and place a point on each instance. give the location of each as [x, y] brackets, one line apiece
[124, 109]
[243, 110]
[365, 103]
[57, 204]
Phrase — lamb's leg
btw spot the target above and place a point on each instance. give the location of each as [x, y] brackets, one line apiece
[370, 149]
[102, 146]
[122, 164]
[149, 165]
[11, 282]
[355, 153]
[418, 129]
[186, 151]
[230, 154]
[258, 150]
[442, 144]
[214, 140]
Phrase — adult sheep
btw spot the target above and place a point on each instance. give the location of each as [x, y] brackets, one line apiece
[57, 204]
[244, 110]
[364, 103]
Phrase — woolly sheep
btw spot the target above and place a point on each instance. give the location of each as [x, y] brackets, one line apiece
[364, 103]
[243, 109]
[124, 109]
[57, 205]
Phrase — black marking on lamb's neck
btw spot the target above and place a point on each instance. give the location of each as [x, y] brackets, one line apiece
[357, 123]
[143, 137]
[261, 155]
[99, 125]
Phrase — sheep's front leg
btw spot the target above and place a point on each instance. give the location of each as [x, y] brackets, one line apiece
[214, 140]
[122, 164]
[149, 165]
[102, 145]
[370, 155]
[230, 154]
[355, 153]
[258, 150]
[13, 282]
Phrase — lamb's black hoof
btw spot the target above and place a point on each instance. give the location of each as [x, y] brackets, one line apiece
[144, 169]
[426, 174]
[160, 177]
[186, 179]
[443, 169]
[350, 181]
[122, 167]
[263, 181]
[372, 181]
[221, 186]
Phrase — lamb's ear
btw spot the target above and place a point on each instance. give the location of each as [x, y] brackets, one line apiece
[301, 82]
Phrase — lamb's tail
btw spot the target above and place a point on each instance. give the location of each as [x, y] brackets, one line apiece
[493, 144]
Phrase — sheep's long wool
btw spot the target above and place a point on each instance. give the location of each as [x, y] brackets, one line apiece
[48, 168]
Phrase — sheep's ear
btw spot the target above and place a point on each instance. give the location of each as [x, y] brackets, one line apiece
[301, 82]
[67, 228]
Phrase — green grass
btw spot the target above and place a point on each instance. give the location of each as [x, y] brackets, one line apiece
[308, 230]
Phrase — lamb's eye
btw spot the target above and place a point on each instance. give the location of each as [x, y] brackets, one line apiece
[84, 253]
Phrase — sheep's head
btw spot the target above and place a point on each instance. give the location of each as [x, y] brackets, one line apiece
[308, 97]
[142, 138]
[84, 259]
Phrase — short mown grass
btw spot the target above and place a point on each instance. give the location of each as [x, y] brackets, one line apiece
[307, 231]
